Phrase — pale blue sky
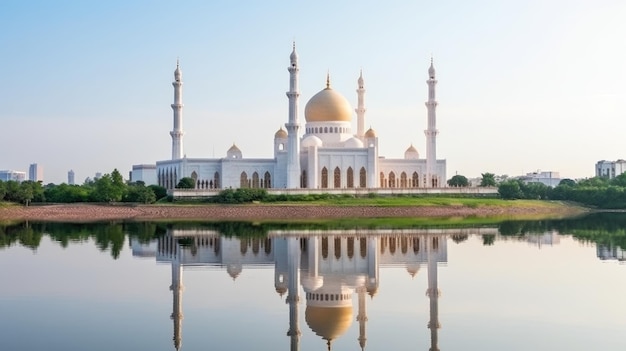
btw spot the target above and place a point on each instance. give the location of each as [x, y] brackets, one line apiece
[523, 85]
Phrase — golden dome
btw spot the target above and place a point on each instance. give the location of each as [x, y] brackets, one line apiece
[280, 134]
[371, 133]
[328, 106]
[328, 322]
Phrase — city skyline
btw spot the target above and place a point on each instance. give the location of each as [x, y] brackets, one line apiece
[521, 86]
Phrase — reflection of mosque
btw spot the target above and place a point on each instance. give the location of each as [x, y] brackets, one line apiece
[332, 266]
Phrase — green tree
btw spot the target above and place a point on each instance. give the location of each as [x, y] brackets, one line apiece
[159, 191]
[458, 181]
[567, 182]
[488, 179]
[620, 180]
[510, 190]
[3, 190]
[186, 183]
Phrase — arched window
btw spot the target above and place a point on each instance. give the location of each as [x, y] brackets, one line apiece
[325, 129]
[337, 248]
[325, 247]
[243, 180]
[415, 180]
[324, 178]
[350, 176]
[392, 180]
[363, 247]
[255, 180]
[303, 179]
[416, 245]
[337, 178]
[336, 131]
[403, 180]
[362, 178]
[350, 247]
[268, 179]
[281, 147]
[382, 180]
[216, 180]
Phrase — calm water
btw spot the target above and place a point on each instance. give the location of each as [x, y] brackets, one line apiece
[556, 285]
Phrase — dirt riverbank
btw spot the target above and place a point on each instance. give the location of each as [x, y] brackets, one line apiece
[95, 212]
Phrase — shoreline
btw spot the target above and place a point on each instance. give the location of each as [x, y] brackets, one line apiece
[254, 212]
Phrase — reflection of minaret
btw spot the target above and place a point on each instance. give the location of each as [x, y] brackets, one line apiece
[293, 274]
[177, 292]
[362, 317]
[433, 292]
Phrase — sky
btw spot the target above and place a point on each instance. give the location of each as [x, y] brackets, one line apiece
[522, 85]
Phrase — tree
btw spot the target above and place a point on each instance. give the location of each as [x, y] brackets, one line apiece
[186, 183]
[3, 190]
[567, 182]
[458, 181]
[159, 191]
[488, 179]
[510, 190]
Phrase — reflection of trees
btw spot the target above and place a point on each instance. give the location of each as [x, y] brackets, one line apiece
[459, 238]
[488, 239]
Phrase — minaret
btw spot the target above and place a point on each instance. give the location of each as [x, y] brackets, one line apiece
[293, 298]
[362, 316]
[293, 154]
[177, 106]
[433, 294]
[360, 110]
[177, 294]
[431, 132]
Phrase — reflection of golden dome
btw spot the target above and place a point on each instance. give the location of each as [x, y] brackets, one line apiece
[371, 133]
[328, 322]
[280, 134]
[281, 290]
[328, 106]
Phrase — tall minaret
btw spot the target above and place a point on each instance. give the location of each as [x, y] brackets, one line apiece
[177, 294]
[293, 155]
[293, 298]
[177, 106]
[360, 110]
[362, 316]
[433, 293]
[431, 132]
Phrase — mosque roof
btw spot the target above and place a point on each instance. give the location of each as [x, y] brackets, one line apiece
[328, 106]
[280, 134]
[328, 322]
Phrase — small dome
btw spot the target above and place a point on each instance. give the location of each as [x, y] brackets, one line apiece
[412, 269]
[328, 322]
[328, 106]
[294, 56]
[353, 143]
[234, 152]
[177, 72]
[280, 134]
[411, 153]
[234, 270]
[311, 140]
[371, 133]
[360, 80]
[281, 290]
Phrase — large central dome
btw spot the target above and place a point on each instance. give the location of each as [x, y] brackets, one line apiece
[328, 106]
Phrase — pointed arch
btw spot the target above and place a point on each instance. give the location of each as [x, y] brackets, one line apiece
[350, 178]
[243, 180]
[216, 180]
[268, 179]
[392, 180]
[382, 180]
[415, 180]
[403, 180]
[324, 178]
[362, 178]
[337, 178]
[255, 180]
[303, 180]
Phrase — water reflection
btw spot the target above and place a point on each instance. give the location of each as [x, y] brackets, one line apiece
[331, 267]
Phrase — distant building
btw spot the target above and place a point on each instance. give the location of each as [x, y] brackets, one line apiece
[610, 169]
[144, 173]
[71, 177]
[548, 178]
[97, 176]
[35, 173]
[17, 176]
[611, 252]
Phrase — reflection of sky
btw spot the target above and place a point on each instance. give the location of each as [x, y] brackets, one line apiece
[511, 296]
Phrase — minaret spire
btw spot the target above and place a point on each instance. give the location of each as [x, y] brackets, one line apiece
[432, 179]
[360, 110]
[293, 150]
[177, 132]
[433, 294]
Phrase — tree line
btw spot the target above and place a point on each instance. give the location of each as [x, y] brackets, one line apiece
[108, 188]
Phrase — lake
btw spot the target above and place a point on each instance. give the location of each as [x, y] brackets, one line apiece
[515, 285]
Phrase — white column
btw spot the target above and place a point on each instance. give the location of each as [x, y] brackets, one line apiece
[293, 157]
[293, 297]
[177, 133]
[433, 293]
[431, 132]
[360, 110]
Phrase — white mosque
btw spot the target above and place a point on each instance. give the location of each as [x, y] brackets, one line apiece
[328, 155]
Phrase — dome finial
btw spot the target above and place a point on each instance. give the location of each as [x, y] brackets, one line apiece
[328, 79]
[294, 56]
[431, 69]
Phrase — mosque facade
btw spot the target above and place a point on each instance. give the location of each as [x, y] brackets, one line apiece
[326, 154]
